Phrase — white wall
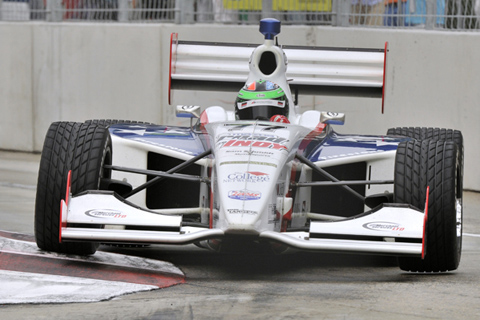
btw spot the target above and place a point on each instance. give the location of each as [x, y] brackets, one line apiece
[16, 96]
[75, 72]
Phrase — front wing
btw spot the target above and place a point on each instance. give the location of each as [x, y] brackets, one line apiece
[102, 216]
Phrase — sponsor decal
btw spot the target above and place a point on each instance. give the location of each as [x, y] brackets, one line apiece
[254, 144]
[383, 226]
[253, 153]
[188, 108]
[249, 162]
[240, 211]
[245, 195]
[105, 213]
[256, 141]
[261, 153]
[249, 176]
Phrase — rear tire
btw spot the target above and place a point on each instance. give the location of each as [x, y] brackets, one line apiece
[419, 164]
[82, 148]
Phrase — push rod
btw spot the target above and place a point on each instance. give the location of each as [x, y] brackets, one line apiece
[158, 178]
[328, 176]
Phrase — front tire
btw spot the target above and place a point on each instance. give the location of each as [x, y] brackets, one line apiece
[82, 148]
[436, 134]
[419, 164]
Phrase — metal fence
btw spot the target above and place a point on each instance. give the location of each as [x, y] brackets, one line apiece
[408, 14]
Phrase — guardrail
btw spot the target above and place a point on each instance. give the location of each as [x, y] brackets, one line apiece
[413, 14]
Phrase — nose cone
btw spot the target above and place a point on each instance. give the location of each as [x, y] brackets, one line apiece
[250, 156]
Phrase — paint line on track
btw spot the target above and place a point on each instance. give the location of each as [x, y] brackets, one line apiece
[471, 235]
[17, 185]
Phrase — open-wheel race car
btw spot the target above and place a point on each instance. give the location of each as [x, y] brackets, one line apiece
[261, 175]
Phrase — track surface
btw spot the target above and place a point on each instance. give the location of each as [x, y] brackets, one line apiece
[258, 285]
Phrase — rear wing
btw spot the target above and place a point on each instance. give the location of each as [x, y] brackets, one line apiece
[209, 66]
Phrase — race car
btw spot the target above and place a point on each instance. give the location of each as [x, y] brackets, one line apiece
[262, 174]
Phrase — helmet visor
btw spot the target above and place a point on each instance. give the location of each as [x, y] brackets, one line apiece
[260, 109]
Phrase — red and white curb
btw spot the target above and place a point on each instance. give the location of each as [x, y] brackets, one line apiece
[29, 275]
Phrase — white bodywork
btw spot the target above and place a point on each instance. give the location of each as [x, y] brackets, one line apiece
[251, 176]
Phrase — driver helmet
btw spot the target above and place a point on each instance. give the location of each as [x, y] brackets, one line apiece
[260, 100]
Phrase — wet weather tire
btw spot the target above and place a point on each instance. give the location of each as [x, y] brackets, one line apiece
[435, 134]
[422, 133]
[109, 122]
[419, 164]
[82, 148]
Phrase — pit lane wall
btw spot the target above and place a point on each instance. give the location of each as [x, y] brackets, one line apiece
[80, 71]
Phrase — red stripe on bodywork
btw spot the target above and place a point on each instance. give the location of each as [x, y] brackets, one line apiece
[61, 225]
[171, 66]
[288, 215]
[69, 183]
[425, 219]
[204, 120]
[311, 135]
[384, 72]
[63, 222]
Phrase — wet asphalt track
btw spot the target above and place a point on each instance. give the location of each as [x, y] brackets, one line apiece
[258, 285]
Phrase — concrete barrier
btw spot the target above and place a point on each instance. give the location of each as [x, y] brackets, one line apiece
[82, 71]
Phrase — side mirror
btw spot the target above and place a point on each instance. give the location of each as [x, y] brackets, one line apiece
[187, 111]
[332, 118]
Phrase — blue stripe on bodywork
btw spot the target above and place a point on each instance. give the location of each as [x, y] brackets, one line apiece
[335, 146]
[180, 139]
